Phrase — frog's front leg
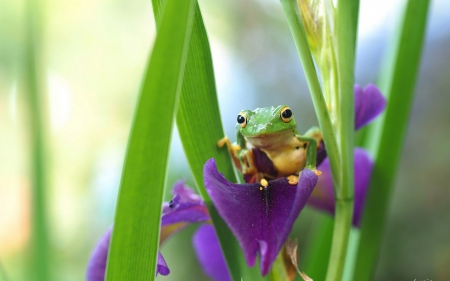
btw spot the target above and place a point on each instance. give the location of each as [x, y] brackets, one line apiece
[311, 151]
[243, 159]
[311, 155]
[248, 159]
[233, 149]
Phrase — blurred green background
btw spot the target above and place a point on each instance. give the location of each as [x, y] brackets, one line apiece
[92, 60]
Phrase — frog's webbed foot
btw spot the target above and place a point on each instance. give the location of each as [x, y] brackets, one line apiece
[232, 148]
[293, 179]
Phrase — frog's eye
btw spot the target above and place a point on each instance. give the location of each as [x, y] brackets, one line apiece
[242, 120]
[286, 114]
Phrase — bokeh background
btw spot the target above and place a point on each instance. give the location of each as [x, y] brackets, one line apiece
[93, 56]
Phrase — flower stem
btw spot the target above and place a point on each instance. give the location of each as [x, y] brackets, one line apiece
[295, 24]
[341, 231]
[346, 26]
[338, 135]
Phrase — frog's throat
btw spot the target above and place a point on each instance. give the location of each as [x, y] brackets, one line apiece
[267, 141]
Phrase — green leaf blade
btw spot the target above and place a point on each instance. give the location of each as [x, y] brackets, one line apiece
[200, 127]
[135, 238]
[40, 268]
[386, 136]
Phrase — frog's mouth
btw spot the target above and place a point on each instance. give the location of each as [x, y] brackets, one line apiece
[271, 139]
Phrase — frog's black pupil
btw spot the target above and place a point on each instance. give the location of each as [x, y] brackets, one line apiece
[286, 114]
[241, 119]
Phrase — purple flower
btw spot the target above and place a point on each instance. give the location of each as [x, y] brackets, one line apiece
[260, 218]
[97, 262]
[369, 103]
[186, 207]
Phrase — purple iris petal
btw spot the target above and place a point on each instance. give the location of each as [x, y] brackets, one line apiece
[209, 253]
[97, 262]
[323, 195]
[186, 206]
[368, 104]
[260, 219]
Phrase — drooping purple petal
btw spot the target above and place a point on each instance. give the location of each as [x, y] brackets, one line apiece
[368, 104]
[161, 266]
[97, 262]
[323, 195]
[210, 254]
[260, 218]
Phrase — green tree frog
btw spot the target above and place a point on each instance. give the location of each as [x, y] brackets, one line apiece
[273, 130]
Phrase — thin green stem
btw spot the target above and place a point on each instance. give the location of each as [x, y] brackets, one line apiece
[39, 240]
[341, 232]
[294, 20]
[351, 254]
[341, 157]
[345, 28]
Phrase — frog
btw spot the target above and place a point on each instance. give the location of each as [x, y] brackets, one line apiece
[272, 130]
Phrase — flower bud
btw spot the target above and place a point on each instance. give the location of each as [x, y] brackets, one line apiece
[313, 18]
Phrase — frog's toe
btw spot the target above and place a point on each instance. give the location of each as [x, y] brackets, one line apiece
[264, 184]
[293, 180]
[317, 172]
[223, 141]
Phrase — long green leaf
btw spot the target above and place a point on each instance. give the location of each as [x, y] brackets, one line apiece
[386, 138]
[200, 128]
[3, 276]
[135, 238]
[40, 269]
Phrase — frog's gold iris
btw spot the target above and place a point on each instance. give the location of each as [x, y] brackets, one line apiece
[242, 120]
[286, 114]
